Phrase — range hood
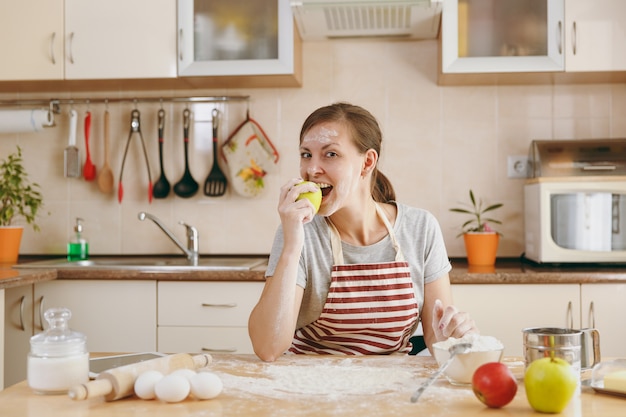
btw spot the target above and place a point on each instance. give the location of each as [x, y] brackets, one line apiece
[327, 19]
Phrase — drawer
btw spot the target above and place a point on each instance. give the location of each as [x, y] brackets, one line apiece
[204, 339]
[206, 303]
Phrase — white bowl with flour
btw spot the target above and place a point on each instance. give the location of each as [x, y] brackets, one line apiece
[484, 349]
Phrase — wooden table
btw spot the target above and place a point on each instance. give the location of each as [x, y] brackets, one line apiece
[311, 386]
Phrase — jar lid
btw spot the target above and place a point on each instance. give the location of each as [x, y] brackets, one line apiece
[58, 340]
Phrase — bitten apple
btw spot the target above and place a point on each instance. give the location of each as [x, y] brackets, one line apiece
[550, 384]
[494, 384]
[314, 197]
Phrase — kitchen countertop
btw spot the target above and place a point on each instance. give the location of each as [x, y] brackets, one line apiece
[307, 385]
[10, 277]
[506, 271]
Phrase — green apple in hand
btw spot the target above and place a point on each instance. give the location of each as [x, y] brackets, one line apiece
[314, 197]
[550, 384]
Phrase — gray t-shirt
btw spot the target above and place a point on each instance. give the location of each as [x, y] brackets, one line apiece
[417, 232]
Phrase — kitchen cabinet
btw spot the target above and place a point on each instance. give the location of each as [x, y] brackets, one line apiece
[18, 329]
[490, 36]
[603, 308]
[235, 38]
[32, 39]
[595, 35]
[503, 311]
[209, 317]
[115, 315]
[87, 39]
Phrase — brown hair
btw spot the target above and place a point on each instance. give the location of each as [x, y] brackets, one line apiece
[366, 135]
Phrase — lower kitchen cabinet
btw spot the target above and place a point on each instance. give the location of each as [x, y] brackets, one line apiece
[115, 315]
[603, 307]
[18, 329]
[503, 310]
[196, 317]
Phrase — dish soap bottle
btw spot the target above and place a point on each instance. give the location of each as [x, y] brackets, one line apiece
[77, 247]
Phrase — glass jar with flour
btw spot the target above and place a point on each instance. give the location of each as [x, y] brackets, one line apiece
[58, 357]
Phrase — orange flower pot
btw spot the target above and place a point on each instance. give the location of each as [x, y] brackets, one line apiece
[481, 248]
[10, 239]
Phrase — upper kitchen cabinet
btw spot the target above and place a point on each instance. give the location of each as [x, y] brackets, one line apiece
[235, 38]
[595, 35]
[87, 39]
[118, 39]
[482, 36]
[533, 36]
[31, 39]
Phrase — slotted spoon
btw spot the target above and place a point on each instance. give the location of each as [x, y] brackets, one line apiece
[215, 184]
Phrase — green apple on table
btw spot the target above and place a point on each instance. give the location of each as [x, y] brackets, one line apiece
[550, 384]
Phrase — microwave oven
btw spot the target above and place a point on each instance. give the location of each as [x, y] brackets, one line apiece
[575, 219]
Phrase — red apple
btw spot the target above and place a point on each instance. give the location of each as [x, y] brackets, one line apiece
[493, 384]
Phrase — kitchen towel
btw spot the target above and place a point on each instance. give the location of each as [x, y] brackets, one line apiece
[31, 120]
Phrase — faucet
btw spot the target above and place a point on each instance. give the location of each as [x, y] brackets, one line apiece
[191, 250]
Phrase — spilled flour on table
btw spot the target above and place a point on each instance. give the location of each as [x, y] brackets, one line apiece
[326, 380]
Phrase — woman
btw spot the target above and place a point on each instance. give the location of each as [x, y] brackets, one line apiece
[357, 277]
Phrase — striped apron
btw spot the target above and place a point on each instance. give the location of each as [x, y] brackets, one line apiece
[370, 308]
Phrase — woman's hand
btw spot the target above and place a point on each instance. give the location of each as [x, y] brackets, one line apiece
[450, 322]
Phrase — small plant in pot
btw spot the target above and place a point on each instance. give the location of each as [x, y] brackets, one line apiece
[19, 199]
[481, 241]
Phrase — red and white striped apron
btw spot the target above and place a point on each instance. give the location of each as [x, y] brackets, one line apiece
[370, 308]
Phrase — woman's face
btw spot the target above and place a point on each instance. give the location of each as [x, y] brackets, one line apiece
[329, 158]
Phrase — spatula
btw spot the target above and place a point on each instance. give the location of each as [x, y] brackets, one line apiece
[71, 154]
[215, 184]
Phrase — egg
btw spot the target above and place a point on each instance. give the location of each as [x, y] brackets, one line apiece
[187, 373]
[172, 388]
[206, 385]
[145, 382]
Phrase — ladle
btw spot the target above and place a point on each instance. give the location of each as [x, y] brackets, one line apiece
[453, 350]
[161, 188]
[105, 178]
[187, 186]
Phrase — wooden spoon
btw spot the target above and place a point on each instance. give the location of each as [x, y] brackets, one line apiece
[105, 178]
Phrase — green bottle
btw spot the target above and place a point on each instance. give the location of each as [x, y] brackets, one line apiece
[77, 247]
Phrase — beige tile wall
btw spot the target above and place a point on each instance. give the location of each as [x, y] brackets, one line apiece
[439, 142]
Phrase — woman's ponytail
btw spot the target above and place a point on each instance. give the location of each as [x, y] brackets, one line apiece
[382, 190]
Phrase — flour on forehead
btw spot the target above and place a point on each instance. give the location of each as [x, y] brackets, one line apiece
[321, 135]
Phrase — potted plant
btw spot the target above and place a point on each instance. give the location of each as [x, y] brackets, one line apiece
[19, 198]
[481, 241]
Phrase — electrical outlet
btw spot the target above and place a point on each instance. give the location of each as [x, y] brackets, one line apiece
[517, 166]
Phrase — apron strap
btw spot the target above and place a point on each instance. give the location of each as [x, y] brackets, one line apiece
[335, 238]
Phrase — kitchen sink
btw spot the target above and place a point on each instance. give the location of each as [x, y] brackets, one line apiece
[152, 263]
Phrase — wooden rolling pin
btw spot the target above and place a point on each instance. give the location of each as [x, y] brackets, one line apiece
[119, 382]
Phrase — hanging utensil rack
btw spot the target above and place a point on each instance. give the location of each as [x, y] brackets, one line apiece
[55, 104]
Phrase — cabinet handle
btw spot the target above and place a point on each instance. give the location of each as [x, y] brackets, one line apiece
[180, 44]
[52, 58]
[559, 37]
[591, 319]
[570, 315]
[22, 302]
[225, 305]
[41, 319]
[574, 38]
[226, 350]
[71, 41]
